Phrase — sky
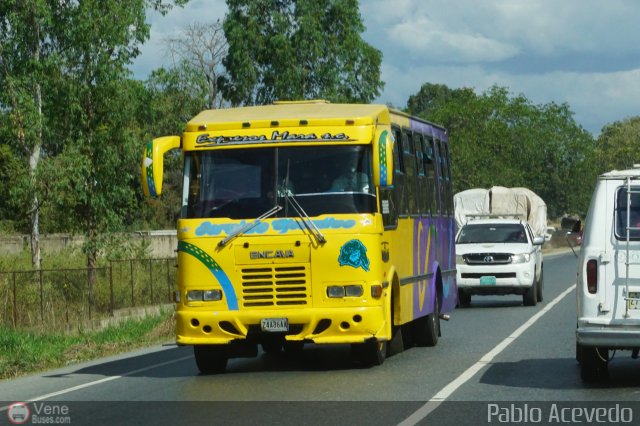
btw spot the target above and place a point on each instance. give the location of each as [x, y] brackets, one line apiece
[585, 53]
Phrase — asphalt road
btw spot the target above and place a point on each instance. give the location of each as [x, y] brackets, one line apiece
[497, 362]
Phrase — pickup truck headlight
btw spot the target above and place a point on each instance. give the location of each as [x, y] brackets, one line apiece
[459, 259]
[521, 258]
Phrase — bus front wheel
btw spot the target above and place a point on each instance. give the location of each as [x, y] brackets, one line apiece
[211, 359]
[370, 353]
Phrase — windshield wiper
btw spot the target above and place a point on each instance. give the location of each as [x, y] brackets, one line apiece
[249, 226]
[306, 220]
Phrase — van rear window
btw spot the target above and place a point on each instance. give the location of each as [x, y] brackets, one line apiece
[631, 216]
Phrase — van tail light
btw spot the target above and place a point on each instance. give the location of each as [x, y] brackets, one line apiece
[592, 276]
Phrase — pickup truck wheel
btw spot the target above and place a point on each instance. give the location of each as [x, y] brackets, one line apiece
[464, 299]
[529, 298]
[211, 359]
[540, 288]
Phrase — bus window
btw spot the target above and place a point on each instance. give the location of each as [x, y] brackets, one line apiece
[409, 203]
[397, 150]
[429, 171]
[421, 181]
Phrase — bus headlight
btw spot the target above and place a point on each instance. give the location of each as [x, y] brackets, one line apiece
[335, 291]
[204, 295]
[194, 296]
[353, 291]
[338, 291]
[211, 295]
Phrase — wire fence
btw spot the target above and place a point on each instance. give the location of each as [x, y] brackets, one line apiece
[59, 298]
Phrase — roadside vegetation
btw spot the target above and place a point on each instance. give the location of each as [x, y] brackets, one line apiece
[29, 351]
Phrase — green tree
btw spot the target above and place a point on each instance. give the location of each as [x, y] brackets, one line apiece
[198, 53]
[173, 96]
[298, 49]
[617, 146]
[94, 114]
[505, 140]
[24, 59]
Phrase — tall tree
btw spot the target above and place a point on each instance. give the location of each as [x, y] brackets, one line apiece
[500, 139]
[197, 54]
[617, 146]
[24, 56]
[95, 110]
[298, 49]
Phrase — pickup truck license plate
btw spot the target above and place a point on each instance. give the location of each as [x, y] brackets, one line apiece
[633, 304]
[274, 324]
[488, 280]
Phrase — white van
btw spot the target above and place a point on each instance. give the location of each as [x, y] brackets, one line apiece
[608, 284]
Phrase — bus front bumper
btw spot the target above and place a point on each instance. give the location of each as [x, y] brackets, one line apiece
[318, 325]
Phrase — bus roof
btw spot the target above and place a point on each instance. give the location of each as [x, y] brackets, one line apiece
[290, 114]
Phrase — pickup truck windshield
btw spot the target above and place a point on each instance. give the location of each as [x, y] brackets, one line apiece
[245, 183]
[492, 233]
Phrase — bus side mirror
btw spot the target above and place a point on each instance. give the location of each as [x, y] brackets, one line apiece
[383, 158]
[153, 163]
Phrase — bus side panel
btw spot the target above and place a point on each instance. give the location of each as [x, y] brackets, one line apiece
[433, 250]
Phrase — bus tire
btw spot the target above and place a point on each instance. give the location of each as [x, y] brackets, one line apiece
[370, 353]
[426, 330]
[211, 359]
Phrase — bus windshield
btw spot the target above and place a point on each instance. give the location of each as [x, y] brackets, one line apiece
[245, 183]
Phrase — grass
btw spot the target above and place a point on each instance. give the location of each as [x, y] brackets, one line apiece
[25, 352]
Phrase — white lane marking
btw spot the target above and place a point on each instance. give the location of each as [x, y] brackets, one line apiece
[446, 392]
[97, 382]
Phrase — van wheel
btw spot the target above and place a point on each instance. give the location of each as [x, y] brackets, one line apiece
[370, 353]
[211, 359]
[594, 365]
[426, 330]
[540, 288]
[530, 297]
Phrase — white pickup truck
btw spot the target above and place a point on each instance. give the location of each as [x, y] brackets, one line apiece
[498, 246]
[499, 256]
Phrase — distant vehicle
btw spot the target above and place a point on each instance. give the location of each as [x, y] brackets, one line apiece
[570, 233]
[608, 279]
[549, 232]
[499, 256]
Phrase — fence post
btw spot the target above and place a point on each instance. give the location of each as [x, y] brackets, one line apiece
[15, 302]
[150, 283]
[89, 291]
[41, 297]
[131, 282]
[64, 294]
[111, 302]
[166, 264]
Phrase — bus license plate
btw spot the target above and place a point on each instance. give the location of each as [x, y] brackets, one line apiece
[633, 304]
[275, 324]
[488, 280]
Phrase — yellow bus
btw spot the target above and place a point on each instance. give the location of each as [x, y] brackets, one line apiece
[310, 222]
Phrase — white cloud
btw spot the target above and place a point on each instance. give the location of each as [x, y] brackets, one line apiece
[430, 41]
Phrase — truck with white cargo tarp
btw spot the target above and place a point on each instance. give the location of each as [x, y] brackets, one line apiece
[500, 201]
